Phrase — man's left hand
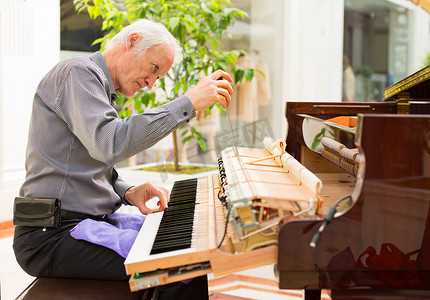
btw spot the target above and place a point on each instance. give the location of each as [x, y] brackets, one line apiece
[139, 195]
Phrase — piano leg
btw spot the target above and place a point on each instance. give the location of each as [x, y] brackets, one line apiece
[312, 295]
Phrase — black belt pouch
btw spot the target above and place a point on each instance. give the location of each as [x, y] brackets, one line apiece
[37, 212]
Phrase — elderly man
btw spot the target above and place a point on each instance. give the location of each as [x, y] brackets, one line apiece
[76, 138]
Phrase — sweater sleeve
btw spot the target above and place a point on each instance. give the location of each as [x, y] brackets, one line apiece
[85, 106]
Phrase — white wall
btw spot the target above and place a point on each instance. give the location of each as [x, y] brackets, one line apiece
[312, 44]
[302, 43]
[30, 46]
[420, 36]
[266, 38]
[313, 39]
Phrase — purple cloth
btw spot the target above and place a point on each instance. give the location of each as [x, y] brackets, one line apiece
[117, 231]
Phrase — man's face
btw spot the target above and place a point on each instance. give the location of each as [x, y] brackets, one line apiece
[135, 73]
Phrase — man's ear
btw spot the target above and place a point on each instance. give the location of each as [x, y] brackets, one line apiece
[132, 40]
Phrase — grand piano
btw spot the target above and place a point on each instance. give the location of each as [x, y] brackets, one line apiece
[343, 204]
[371, 239]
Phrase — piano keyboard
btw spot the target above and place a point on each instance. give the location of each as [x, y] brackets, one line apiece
[181, 235]
[183, 241]
[176, 227]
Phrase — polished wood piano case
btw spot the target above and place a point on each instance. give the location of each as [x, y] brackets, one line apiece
[379, 246]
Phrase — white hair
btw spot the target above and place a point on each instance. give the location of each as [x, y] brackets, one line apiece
[152, 35]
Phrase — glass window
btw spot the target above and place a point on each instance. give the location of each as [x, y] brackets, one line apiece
[376, 44]
[253, 102]
[78, 31]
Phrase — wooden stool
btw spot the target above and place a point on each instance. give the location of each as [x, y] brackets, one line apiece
[65, 289]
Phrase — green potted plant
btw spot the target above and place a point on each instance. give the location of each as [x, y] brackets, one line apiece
[197, 25]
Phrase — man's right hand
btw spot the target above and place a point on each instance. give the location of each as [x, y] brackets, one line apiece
[210, 90]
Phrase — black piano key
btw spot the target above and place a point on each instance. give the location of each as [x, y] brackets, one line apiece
[177, 199]
[178, 209]
[179, 212]
[182, 189]
[172, 236]
[177, 221]
[170, 248]
[177, 217]
[170, 226]
[170, 243]
[188, 193]
[182, 202]
[180, 185]
[183, 192]
[173, 239]
[172, 230]
[176, 226]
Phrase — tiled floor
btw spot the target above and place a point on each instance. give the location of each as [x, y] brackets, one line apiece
[12, 278]
[259, 283]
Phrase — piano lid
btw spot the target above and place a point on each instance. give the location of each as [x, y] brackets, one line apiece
[416, 85]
